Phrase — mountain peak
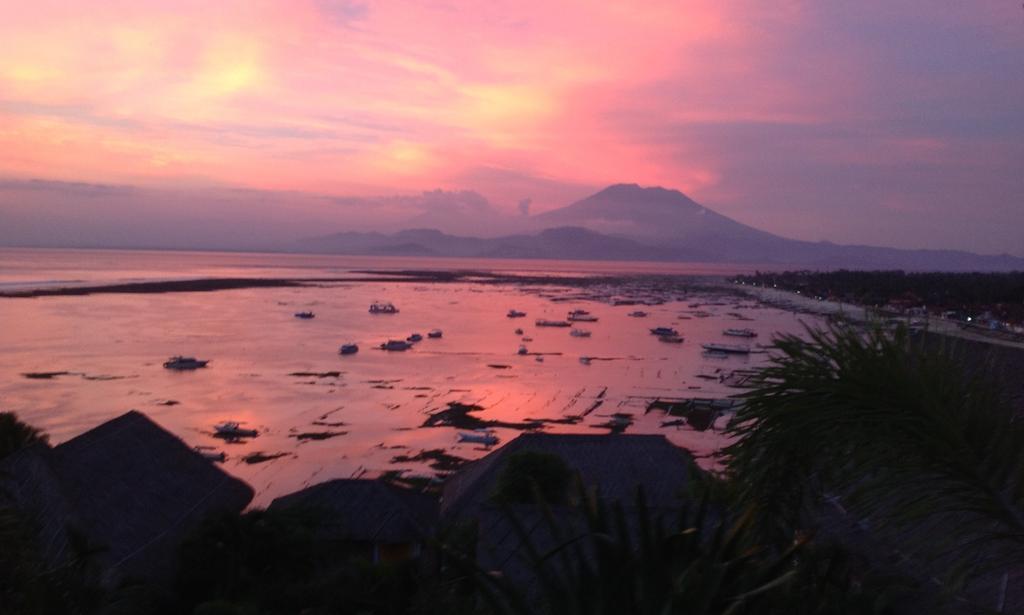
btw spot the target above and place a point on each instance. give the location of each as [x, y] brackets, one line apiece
[643, 194]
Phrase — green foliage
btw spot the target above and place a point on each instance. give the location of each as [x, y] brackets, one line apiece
[610, 559]
[901, 434]
[529, 474]
[15, 435]
[273, 562]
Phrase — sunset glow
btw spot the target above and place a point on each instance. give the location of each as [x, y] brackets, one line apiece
[788, 116]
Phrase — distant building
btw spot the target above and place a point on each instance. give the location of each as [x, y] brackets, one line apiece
[129, 488]
[370, 518]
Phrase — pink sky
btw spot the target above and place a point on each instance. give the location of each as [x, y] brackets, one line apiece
[879, 122]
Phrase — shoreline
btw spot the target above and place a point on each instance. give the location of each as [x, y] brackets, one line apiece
[788, 300]
[362, 277]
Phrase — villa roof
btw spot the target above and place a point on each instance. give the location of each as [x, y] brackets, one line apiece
[366, 510]
[616, 465]
[130, 487]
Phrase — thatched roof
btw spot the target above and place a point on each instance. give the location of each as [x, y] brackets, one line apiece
[130, 487]
[366, 510]
[616, 465]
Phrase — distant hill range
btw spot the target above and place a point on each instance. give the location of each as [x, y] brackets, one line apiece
[629, 222]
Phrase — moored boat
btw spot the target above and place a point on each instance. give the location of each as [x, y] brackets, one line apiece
[580, 316]
[740, 333]
[305, 315]
[727, 348]
[482, 436]
[515, 314]
[579, 333]
[552, 323]
[415, 337]
[233, 429]
[664, 331]
[435, 334]
[348, 349]
[396, 345]
[670, 339]
[638, 314]
[184, 363]
[383, 307]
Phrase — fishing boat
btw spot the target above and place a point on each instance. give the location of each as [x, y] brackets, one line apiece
[479, 436]
[383, 307]
[233, 429]
[515, 314]
[305, 315]
[664, 331]
[579, 333]
[552, 323]
[740, 333]
[435, 334]
[726, 348]
[396, 345]
[184, 363]
[348, 349]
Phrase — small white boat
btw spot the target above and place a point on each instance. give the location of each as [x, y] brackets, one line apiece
[579, 333]
[664, 331]
[740, 333]
[348, 349]
[435, 334]
[383, 307]
[552, 323]
[184, 363]
[726, 348]
[522, 350]
[394, 345]
[515, 314]
[415, 337]
[638, 314]
[233, 429]
[482, 436]
[305, 315]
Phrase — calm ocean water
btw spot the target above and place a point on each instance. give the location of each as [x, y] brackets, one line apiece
[112, 347]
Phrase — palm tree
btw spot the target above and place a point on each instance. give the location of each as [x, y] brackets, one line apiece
[15, 435]
[923, 454]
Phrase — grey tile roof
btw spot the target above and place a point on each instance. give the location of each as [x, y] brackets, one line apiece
[366, 510]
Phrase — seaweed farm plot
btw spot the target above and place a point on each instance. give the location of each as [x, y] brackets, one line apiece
[458, 368]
